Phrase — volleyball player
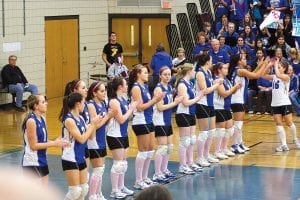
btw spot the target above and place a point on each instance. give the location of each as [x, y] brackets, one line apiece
[142, 124]
[163, 125]
[205, 112]
[281, 104]
[97, 145]
[73, 157]
[36, 139]
[117, 135]
[185, 118]
[239, 74]
[222, 101]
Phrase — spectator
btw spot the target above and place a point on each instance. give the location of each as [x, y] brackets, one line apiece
[265, 36]
[237, 12]
[111, 50]
[256, 8]
[217, 54]
[281, 44]
[178, 61]
[201, 44]
[230, 35]
[222, 8]
[241, 45]
[14, 79]
[249, 36]
[260, 46]
[294, 90]
[117, 69]
[264, 96]
[247, 21]
[221, 26]
[160, 59]
[295, 61]
[208, 32]
[224, 46]
[278, 5]
[287, 30]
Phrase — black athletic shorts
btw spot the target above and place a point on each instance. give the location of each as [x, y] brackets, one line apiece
[143, 129]
[237, 107]
[87, 153]
[97, 153]
[117, 142]
[163, 131]
[37, 170]
[282, 110]
[185, 120]
[203, 111]
[223, 115]
[68, 165]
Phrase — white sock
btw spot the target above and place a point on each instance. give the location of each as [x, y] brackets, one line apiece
[281, 134]
[293, 131]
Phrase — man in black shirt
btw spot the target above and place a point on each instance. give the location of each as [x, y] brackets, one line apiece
[14, 79]
[111, 50]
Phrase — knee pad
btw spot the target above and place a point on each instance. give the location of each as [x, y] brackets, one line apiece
[202, 136]
[74, 192]
[142, 155]
[170, 148]
[185, 141]
[150, 154]
[220, 132]
[229, 132]
[118, 167]
[238, 125]
[125, 163]
[212, 133]
[162, 150]
[84, 190]
[193, 139]
[98, 171]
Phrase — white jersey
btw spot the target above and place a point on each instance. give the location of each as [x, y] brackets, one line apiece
[221, 103]
[280, 92]
[208, 99]
[239, 96]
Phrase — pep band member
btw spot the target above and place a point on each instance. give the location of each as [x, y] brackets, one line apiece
[142, 124]
[77, 133]
[36, 139]
[117, 135]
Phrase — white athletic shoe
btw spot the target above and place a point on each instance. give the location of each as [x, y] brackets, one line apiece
[242, 146]
[282, 148]
[220, 155]
[118, 195]
[297, 143]
[141, 185]
[195, 167]
[228, 152]
[150, 182]
[203, 162]
[250, 112]
[127, 191]
[159, 178]
[185, 170]
[211, 159]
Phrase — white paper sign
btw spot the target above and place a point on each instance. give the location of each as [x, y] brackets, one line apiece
[11, 46]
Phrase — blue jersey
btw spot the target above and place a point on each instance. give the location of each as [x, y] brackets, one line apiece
[207, 100]
[99, 141]
[190, 110]
[30, 157]
[114, 129]
[76, 151]
[163, 118]
[85, 114]
[143, 117]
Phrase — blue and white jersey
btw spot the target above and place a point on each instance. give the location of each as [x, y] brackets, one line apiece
[76, 151]
[207, 100]
[163, 118]
[239, 97]
[114, 129]
[189, 110]
[280, 92]
[99, 141]
[85, 114]
[221, 103]
[143, 117]
[30, 157]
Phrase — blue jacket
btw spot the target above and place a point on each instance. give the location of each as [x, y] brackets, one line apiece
[198, 48]
[264, 82]
[220, 56]
[160, 59]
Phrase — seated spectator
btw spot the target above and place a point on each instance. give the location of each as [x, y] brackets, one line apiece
[201, 44]
[217, 54]
[221, 9]
[294, 90]
[264, 96]
[249, 36]
[241, 45]
[247, 21]
[279, 54]
[287, 30]
[221, 26]
[230, 35]
[295, 60]
[256, 9]
[260, 46]
[281, 44]
[266, 37]
[278, 5]
[156, 192]
[224, 46]
[208, 32]
[14, 79]
[179, 60]
[117, 69]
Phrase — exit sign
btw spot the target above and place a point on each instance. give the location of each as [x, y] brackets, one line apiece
[166, 4]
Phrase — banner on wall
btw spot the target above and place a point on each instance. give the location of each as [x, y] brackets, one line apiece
[296, 18]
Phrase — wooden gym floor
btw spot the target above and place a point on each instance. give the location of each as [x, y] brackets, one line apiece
[262, 162]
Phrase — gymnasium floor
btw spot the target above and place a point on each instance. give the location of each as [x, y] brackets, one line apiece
[259, 174]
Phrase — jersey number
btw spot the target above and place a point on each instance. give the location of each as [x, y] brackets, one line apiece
[275, 85]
